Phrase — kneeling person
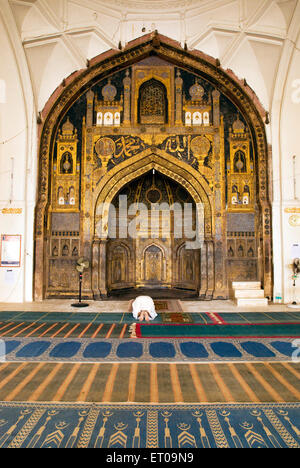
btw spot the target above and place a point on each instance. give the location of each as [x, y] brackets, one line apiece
[143, 308]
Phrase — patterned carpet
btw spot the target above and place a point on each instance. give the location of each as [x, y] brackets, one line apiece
[228, 382]
[147, 350]
[155, 426]
[118, 325]
[80, 380]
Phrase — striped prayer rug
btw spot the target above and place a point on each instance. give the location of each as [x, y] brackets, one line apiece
[153, 383]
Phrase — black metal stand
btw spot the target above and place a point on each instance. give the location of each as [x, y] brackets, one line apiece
[294, 304]
[79, 303]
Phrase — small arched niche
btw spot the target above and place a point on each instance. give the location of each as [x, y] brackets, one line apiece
[153, 103]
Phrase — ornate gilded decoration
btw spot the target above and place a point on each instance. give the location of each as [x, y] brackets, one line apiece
[150, 259]
[117, 149]
[198, 108]
[108, 110]
[240, 169]
[65, 174]
[84, 167]
[153, 104]
[200, 146]
[152, 99]
[105, 149]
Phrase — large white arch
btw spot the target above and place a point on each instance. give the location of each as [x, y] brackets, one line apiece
[18, 140]
[75, 35]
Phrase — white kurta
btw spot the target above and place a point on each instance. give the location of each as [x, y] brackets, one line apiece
[143, 303]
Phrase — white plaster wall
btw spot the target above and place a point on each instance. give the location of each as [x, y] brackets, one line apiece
[17, 188]
[290, 173]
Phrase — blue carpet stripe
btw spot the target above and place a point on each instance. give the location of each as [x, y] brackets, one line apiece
[225, 350]
[175, 350]
[29, 425]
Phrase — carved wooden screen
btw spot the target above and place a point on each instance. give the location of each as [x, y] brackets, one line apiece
[187, 268]
[153, 264]
[118, 266]
[152, 103]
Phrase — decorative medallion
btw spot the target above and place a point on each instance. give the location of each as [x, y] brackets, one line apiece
[105, 147]
[294, 220]
[153, 195]
[200, 146]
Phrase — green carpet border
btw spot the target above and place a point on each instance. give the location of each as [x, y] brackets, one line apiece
[195, 330]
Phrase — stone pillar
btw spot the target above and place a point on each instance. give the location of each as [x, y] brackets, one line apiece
[220, 287]
[99, 280]
[216, 108]
[221, 291]
[127, 98]
[267, 251]
[95, 269]
[87, 203]
[90, 108]
[210, 270]
[203, 271]
[178, 100]
[102, 268]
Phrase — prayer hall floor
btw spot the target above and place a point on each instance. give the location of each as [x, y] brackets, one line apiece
[164, 381]
[150, 383]
[110, 306]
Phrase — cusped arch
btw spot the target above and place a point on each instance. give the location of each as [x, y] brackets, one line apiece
[113, 182]
[156, 248]
[154, 244]
[106, 64]
[117, 247]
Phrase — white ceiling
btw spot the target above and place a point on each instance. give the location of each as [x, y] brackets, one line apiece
[248, 36]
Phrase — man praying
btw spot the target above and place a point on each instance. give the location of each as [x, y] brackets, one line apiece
[143, 308]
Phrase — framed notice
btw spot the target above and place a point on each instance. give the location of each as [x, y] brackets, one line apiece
[296, 251]
[10, 251]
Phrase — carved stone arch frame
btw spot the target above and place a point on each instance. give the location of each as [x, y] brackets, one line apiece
[177, 255]
[153, 243]
[164, 163]
[113, 182]
[178, 261]
[130, 256]
[115, 60]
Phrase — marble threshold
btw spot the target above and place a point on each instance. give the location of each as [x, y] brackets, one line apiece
[189, 306]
